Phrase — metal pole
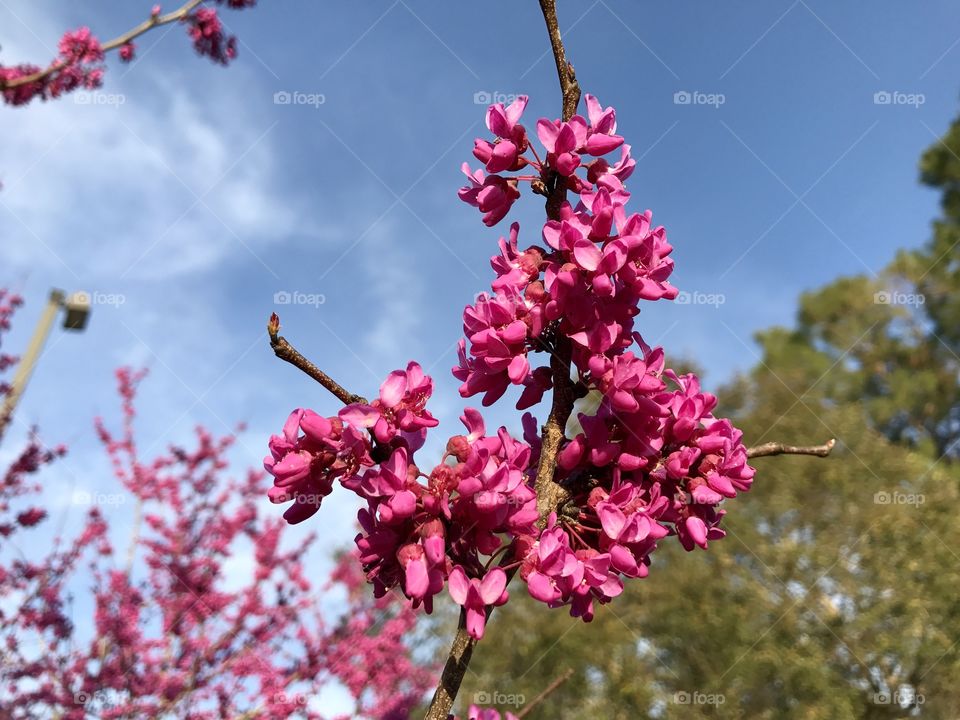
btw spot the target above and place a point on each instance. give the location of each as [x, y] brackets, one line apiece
[29, 359]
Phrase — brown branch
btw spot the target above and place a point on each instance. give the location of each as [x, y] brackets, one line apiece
[150, 23]
[545, 694]
[453, 671]
[568, 78]
[550, 495]
[775, 448]
[285, 351]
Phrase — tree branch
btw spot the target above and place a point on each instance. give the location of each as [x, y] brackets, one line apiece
[150, 23]
[528, 708]
[285, 351]
[568, 78]
[550, 495]
[775, 448]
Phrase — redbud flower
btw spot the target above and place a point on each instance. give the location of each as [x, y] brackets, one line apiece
[127, 51]
[475, 595]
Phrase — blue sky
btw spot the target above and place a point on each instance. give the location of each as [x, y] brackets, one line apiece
[184, 188]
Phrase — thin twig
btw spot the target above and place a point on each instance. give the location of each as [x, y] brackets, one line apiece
[285, 351]
[775, 448]
[150, 23]
[545, 694]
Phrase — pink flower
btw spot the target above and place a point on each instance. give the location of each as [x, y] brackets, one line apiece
[602, 136]
[475, 595]
[492, 195]
[127, 51]
[401, 407]
[304, 467]
[563, 140]
[505, 153]
[206, 31]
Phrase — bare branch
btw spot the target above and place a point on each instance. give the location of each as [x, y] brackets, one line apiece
[530, 706]
[285, 351]
[150, 23]
[775, 448]
[568, 78]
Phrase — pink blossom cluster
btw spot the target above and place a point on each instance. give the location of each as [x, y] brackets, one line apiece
[79, 63]
[171, 634]
[650, 462]
[420, 531]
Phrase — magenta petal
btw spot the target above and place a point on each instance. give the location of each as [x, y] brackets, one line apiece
[316, 426]
[458, 585]
[473, 421]
[493, 585]
[417, 579]
[547, 132]
[476, 622]
[587, 254]
[293, 467]
[361, 416]
[599, 144]
[518, 370]
[612, 519]
[391, 392]
[697, 529]
[541, 588]
[403, 504]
